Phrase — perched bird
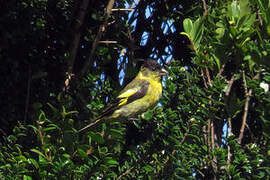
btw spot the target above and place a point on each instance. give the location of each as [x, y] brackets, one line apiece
[141, 94]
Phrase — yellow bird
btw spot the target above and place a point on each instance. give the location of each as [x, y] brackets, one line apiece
[141, 94]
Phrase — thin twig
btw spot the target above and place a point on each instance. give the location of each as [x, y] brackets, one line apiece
[213, 140]
[204, 81]
[205, 8]
[113, 10]
[260, 18]
[108, 42]
[125, 173]
[221, 70]
[48, 157]
[244, 116]
[208, 76]
[209, 134]
[230, 85]
[211, 128]
[245, 83]
[244, 119]
[229, 155]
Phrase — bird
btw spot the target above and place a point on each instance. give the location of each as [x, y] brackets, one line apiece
[141, 94]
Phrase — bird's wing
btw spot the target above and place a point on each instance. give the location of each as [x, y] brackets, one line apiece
[134, 90]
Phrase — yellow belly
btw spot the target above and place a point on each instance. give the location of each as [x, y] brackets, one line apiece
[139, 106]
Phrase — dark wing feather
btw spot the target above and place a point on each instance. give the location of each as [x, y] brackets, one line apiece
[133, 91]
[140, 93]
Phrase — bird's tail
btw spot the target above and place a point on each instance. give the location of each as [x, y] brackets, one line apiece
[90, 125]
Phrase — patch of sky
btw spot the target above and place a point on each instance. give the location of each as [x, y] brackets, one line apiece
[225, 133]
[145, 37]
[148, 11]
[168, 26]
[121, 68]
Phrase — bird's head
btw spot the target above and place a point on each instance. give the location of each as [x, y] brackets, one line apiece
[153, 68]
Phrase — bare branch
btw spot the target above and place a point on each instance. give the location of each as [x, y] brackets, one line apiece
[229, 155]
[204, 81]
[230, 85]
[208, 76]
[260, 18]
[221, 70]
[125, 173]
[113, 10]
[48, 157]
[213, 143]
[244, 119]
[108, 42]
[205, 8]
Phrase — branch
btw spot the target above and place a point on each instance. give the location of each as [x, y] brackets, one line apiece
[48, 157]
[108, 42]
[229, 155]
[244, 119]
[125, 173]
[230, 85]
[260, 18]
[221, 70]
[205, 8]
[100, 33]
[208, 76]
[213, 143]
[122, 9]
[204, 81]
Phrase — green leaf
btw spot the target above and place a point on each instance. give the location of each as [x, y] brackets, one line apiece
[188, 25]
[234, 10]
[148, 168]
[49, 128]
[71, 112]
[148, 115]
[185, 34]
[42, 118]
[217, 61]
[67, 156]
[33, 162]
[116, 134]
[197, 32]
[26, 177]
[97, 138]
[38, 152]
[82, 153]
[112, 162]
[244, 8]
[220, 33]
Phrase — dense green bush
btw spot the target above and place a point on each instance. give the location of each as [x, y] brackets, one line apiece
[212, 121]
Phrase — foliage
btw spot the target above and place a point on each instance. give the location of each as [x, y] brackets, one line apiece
[212, 121]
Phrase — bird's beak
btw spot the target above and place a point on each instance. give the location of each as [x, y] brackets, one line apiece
[163, 72]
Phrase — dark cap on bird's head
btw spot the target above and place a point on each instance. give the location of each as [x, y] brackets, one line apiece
[154, 66]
